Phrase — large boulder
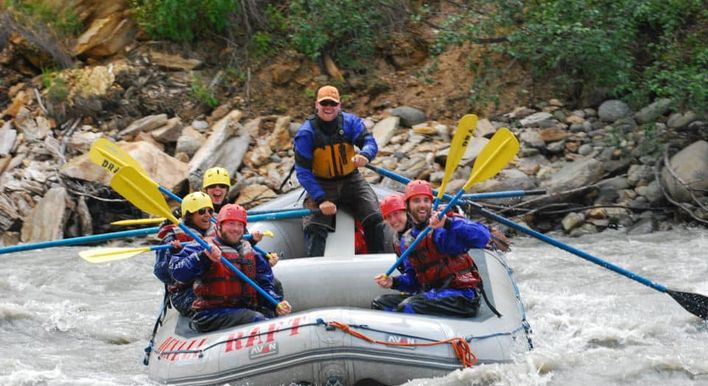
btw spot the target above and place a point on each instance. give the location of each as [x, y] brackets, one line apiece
[690, 172]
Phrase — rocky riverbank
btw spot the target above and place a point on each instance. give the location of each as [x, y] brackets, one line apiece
[603, 166]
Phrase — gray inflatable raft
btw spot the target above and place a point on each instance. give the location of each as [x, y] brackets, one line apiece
[328, 295]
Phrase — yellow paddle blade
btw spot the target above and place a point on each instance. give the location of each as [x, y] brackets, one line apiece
[458, 146]
[139, 221]
[495, 155]
[142, 192]
[268, 233]
[111, 157]
[102, 255]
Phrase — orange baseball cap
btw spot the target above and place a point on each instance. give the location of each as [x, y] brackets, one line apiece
[328, 92]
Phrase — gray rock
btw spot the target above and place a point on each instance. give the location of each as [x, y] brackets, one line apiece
[653, 111]
[532, 138]
[46, 221]
[572, 220]
[585, 149]
[534, 119]
[8, 137]
[639, 175]
[625, 124]
[679, 120]
[574, 175]
[643, 226]
[148, 123]
[556, 147]
[651, 192]
[612, 110]
[383, 131]
[409, 115]
[200, 125]
[690, 166]
[585, 229]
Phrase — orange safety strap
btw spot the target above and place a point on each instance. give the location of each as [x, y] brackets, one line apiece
[459, 345]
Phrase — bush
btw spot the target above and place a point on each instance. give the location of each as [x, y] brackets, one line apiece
[346, 29]
[61, 18]
[182, 20]
[637, 50]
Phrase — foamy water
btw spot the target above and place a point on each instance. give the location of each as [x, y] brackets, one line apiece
[64, 321]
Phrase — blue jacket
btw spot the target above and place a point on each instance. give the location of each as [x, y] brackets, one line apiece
[191, 263]
[354, 131]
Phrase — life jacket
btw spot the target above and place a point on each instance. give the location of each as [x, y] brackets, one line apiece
[331, 153]
[436, 270]
[179, 234]
[219, 287]
[360, 247]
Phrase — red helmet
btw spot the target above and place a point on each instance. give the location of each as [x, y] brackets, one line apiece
[231, 212]
[418, 188]
[392, 203]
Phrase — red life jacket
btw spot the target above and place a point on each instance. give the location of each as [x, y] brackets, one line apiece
[220, 287]
[435, 270]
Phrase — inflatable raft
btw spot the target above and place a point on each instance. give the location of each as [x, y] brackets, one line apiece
[333, 337]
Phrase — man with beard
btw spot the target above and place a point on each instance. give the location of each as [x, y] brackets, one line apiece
[222, 299]
[326, 164]
[442, 275]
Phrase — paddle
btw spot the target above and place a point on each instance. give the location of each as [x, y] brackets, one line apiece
[112, 158]
[144, 193]
[465, 129]
[491, 160]
[696, 304]
[79, 240]
[139, 221]
[103, 255]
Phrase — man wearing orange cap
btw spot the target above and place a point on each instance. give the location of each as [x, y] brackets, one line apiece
[326, 164]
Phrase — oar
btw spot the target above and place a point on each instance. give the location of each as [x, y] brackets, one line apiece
[139, 221]
[80, 240]
[491, 160]
[103, 255]
[112, 158]
[144, 193]
[502, 194]
[458, 146]
[472, 196]
[696, 304]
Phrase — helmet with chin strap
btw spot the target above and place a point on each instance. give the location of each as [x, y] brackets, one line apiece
[232, 212]
[418, 188]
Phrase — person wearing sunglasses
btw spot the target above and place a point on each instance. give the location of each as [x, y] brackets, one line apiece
[326, 165]
[216, 184]
[197, 210]
[222, 299]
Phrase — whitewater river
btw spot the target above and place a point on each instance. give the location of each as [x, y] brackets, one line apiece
[64, 321]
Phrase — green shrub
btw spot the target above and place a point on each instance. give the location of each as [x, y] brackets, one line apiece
[60, 17]
[346, 29]
[202, 93]
[635, 49]
[182, 20]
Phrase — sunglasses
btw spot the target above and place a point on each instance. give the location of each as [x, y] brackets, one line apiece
[329, 103]
[205, 210]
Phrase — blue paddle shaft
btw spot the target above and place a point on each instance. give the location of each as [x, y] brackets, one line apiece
[232, 267]
[540, 236]
[80, 240]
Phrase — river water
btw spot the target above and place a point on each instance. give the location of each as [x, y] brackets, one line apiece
[64, 321]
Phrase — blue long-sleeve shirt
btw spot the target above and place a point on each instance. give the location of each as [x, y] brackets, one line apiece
[354, 131]
[191, 263]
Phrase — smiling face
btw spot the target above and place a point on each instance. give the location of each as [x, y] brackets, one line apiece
[201, 220]
[217, 193]
[397, 220]
[420, 208]
[327, 109]
[231, 231]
